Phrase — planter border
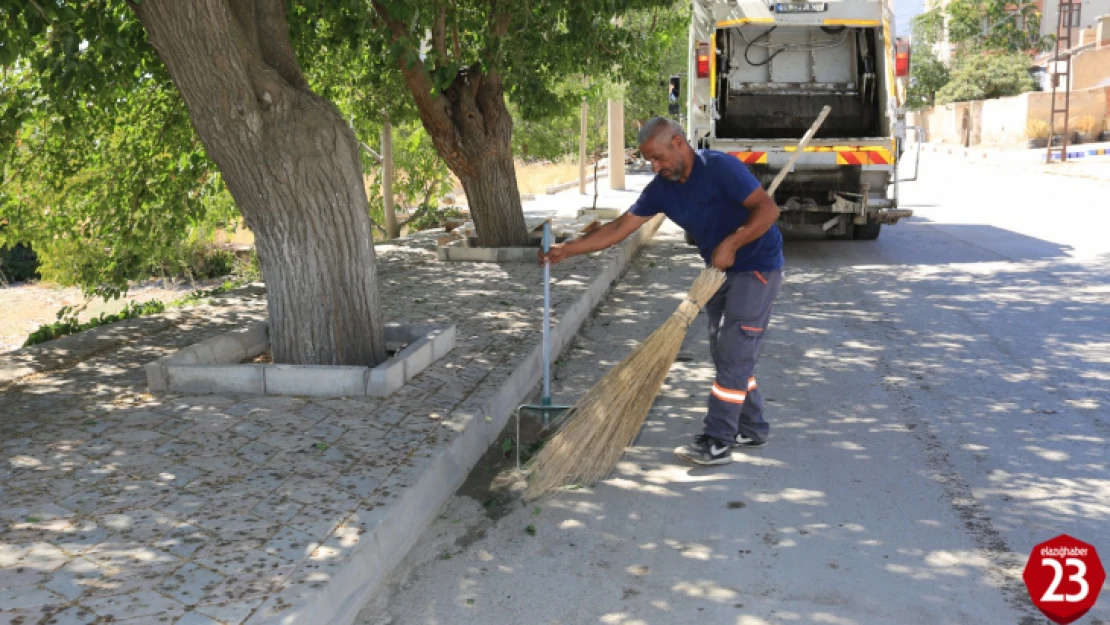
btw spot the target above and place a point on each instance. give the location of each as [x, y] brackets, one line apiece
[216, 365]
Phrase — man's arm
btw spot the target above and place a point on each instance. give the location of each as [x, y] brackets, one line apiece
[762, 214]
[606, 236]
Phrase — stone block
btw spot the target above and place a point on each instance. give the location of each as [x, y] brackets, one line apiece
[209, 379]
[443, 341]
[386, 378]
[417, 356]
[396, 333]
[204, 353]
[458, 253]
[600, 213]
[255, 334]
[227, 348]
[187, 356]
[469, 254]
[156, 378]
[317, 381]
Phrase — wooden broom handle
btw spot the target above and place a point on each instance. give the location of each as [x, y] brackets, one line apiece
[798, 151]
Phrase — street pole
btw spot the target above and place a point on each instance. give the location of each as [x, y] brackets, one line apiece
[582, 149]
[616, 145]
[391, 231]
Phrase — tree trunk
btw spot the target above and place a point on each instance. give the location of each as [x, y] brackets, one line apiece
[292, 165]
[477, 145]
[489, 180]
[472, 131]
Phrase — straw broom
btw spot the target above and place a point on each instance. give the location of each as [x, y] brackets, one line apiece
[607, 418]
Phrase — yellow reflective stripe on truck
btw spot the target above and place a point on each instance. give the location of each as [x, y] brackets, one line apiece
[746, 20]
[751, 158]
[713, 65]
[891, 92]
[849, 154]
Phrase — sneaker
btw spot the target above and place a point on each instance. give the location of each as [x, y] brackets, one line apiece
[744, 441]
[706, 450]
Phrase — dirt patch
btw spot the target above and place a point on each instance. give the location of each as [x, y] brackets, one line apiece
[494, 482]
[25, 306]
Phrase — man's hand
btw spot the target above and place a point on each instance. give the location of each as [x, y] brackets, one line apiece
[724, 255]
[555, 255]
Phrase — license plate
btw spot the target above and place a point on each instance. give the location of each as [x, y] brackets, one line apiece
[801, 7]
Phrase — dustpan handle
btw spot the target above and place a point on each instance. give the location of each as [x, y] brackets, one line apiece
[546, 400]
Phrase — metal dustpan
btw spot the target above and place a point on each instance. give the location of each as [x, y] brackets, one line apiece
[547, 413]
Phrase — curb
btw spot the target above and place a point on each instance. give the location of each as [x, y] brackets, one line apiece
[1019, 155]
[384, 535]
[216, 365]
[563, 186]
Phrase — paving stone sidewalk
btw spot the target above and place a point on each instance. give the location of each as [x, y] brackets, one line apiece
[120, 506]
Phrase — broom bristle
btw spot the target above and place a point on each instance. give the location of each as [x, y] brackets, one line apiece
[607, 418]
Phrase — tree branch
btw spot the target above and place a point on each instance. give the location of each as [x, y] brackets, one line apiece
[439, 34]
[264, 81]
[41, 12]
[455, 32]
[499, 20]
[433, 108]
[369, 150]
[274, 44]
[246, 15]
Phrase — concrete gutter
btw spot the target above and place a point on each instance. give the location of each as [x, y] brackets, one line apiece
[382, 536]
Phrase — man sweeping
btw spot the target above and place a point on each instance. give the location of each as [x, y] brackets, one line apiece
[716, 199]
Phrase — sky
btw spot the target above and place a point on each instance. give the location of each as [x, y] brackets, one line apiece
[904, 11]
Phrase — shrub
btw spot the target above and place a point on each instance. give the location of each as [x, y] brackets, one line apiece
[18, 264]
[1037, 129]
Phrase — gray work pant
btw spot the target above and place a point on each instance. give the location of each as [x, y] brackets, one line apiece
[738, 317]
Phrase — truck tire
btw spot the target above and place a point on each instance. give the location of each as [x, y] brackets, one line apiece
[867, 232]
[689, 238]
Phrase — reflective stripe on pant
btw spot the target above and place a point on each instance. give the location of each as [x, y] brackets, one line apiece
[738, 315]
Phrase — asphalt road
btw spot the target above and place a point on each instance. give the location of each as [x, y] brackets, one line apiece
[939, 401]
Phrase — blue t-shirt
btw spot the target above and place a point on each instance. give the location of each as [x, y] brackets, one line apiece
[710, 206]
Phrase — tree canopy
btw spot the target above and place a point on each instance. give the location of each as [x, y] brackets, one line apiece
[991, 42]
[103, 173]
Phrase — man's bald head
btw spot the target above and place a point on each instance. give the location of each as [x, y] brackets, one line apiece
[659, 128]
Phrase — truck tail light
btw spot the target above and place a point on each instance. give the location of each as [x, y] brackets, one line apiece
[901, 58]
[703, 60]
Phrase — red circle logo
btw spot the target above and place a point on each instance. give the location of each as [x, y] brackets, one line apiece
[1064, 577]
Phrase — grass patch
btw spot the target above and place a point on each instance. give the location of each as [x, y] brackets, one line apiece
[536, 177]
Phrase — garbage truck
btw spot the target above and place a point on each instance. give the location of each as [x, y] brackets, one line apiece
[759, 73]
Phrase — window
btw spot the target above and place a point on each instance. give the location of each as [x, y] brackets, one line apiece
[1069, 14]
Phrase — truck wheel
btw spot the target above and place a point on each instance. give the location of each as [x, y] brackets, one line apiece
[689, 239]
[867, 232]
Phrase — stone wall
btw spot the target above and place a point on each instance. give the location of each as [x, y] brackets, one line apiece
[1002, 122]
[1091, 68]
